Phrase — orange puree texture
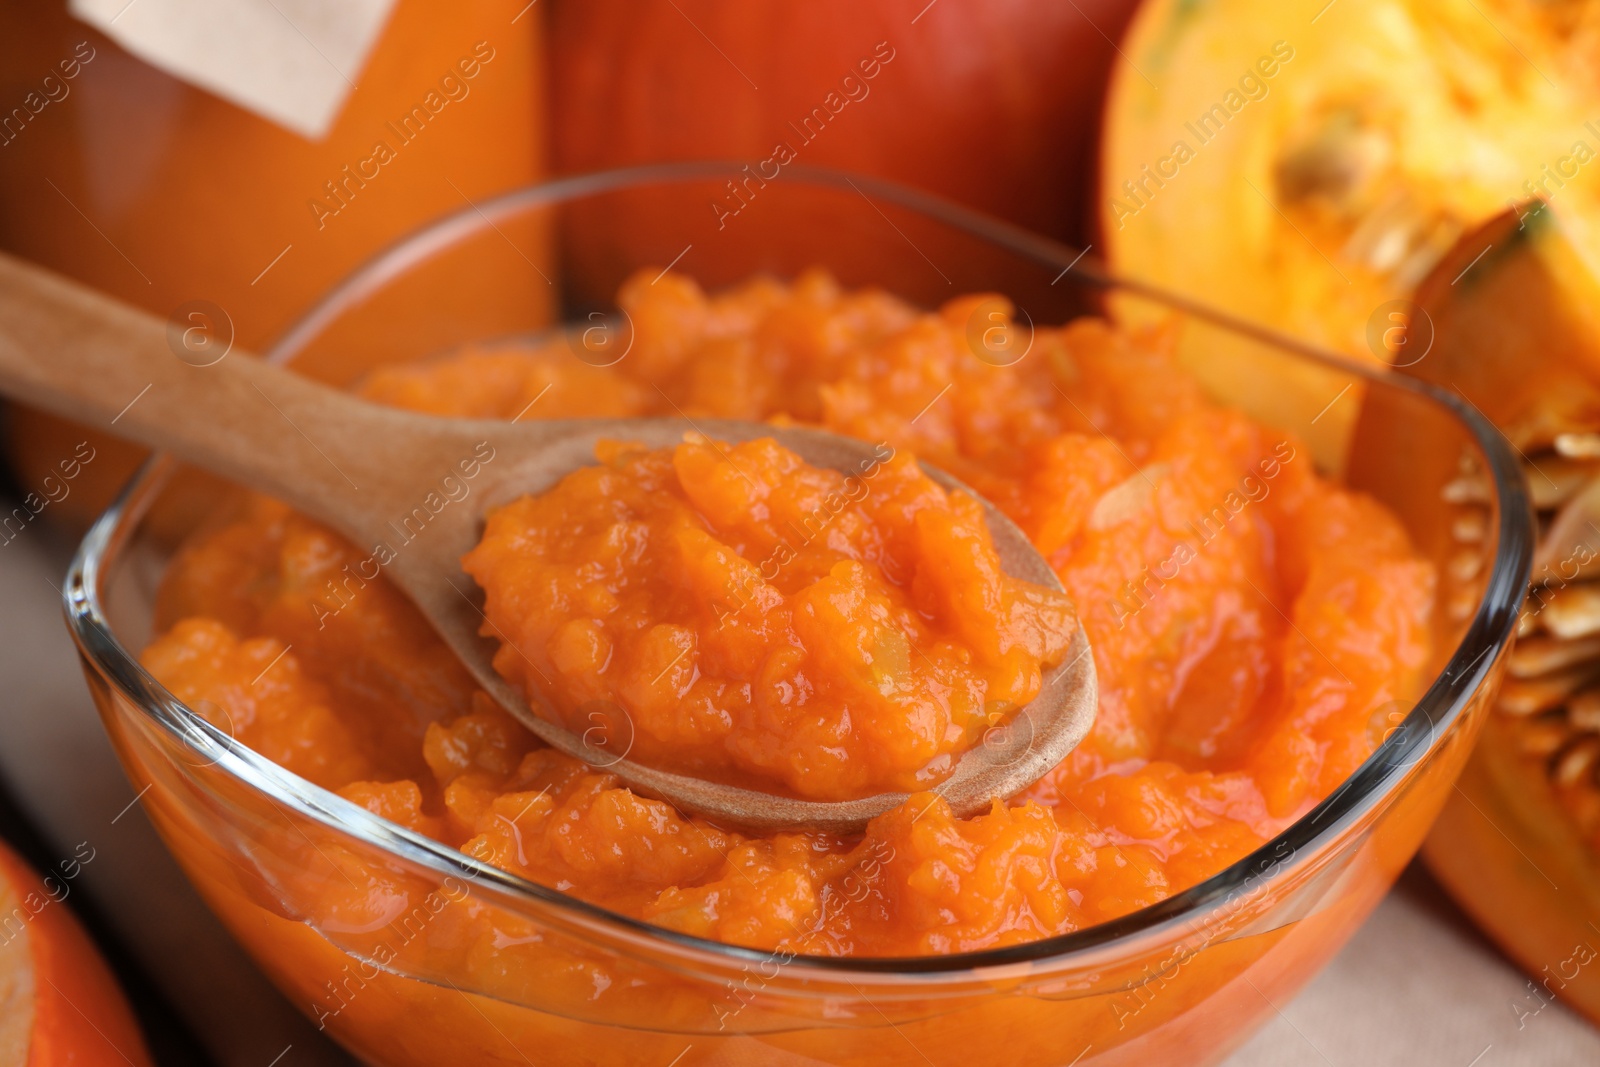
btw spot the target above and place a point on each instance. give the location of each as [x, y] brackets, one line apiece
[730, 611]
[1254, 626]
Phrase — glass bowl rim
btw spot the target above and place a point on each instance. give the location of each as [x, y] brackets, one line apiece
[1412, 741]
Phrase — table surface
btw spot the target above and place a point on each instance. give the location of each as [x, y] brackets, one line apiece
[1416, 987]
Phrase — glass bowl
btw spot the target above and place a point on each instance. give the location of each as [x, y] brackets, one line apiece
[410, 953]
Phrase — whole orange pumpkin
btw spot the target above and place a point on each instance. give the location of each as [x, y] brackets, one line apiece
[990, 102]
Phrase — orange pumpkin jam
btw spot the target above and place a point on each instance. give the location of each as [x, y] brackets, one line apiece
[1254, 627]
[730, 611]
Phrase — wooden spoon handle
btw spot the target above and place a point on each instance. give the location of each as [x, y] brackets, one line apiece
[74, 351]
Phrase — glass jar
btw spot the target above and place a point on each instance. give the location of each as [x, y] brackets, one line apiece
[180, 202]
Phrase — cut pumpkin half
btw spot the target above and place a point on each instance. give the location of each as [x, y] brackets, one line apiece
[59, 1005]
[1306, 165]
[1514, 313]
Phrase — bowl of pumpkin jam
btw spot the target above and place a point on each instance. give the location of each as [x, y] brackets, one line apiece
[1290, 671]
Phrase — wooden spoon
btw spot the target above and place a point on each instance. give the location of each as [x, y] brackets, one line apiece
[368, 472]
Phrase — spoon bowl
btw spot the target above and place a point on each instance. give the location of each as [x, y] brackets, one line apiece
[377, 475]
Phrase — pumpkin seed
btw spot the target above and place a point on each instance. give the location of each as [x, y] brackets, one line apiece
[1553, 684]
[1541, 655]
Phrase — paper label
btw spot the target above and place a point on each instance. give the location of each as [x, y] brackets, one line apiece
[292, 62]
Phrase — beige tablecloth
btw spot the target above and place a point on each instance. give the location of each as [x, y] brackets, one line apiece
[1416, 987]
